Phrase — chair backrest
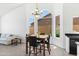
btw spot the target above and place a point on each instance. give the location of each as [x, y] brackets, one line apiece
[42, 33]
[32, 41]
[48, 39]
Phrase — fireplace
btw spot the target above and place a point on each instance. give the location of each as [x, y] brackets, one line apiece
[72, 45]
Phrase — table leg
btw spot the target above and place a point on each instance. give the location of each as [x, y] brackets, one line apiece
[26, 47]
[11, 41]
[44, 47]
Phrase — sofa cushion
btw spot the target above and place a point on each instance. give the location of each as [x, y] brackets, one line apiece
[3, 35]
[7, 35]
[1, 39]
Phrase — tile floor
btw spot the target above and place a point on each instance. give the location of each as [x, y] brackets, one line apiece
[19, 50]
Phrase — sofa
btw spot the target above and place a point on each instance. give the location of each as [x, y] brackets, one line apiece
[6, 38]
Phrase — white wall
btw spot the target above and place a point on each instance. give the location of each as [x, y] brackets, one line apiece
[0, 24]
[14, 22]
[70, 10]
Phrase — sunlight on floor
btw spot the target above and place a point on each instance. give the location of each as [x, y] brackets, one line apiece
[54, 47]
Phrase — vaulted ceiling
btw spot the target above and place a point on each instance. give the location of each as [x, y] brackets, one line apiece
[7, 7]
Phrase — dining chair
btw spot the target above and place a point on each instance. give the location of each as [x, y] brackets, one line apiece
[47, 43]
[33, 43]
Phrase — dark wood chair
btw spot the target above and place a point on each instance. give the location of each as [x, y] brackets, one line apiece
[33, 43]
[47, 43]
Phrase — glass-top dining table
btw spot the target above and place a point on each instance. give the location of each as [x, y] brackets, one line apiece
[41, 37]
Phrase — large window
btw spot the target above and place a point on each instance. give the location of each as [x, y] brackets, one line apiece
[76, 24]
[45, 24]
[57, 26]
[31, 24]
[32, 29]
